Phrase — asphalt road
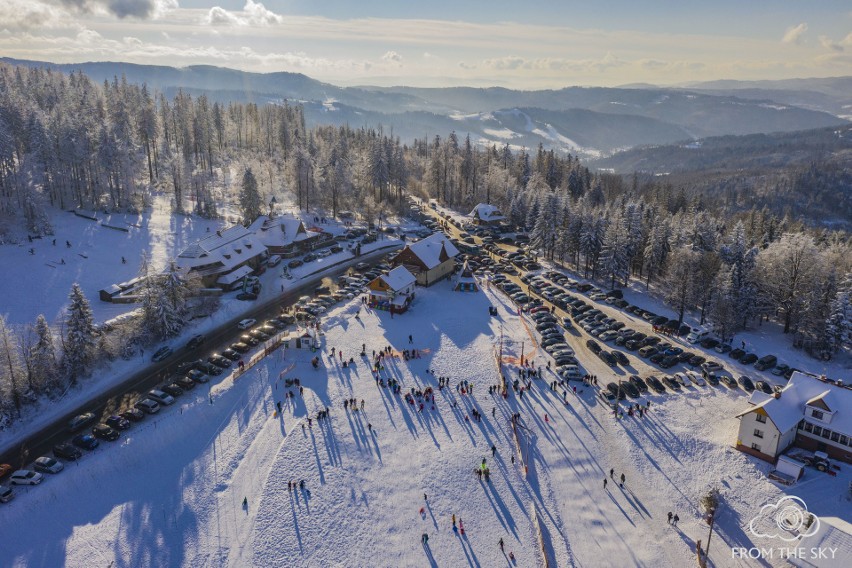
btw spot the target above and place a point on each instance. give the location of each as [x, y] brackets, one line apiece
[122, 395]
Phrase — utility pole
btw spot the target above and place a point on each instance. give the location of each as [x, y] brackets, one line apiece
[712, 520]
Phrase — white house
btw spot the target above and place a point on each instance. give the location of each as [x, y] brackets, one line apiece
[484, 214]
[810, 412]
[284, 235]
[393, 291]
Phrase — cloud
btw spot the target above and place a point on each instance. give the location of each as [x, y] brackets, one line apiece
[139, 9]
[392, 57]
[514, 63]
[795, 33]
[829, 43]
[253, 14]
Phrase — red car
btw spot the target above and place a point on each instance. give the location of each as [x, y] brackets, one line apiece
[5, 469]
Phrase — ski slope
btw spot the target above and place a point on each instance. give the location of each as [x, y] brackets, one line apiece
[170, 492]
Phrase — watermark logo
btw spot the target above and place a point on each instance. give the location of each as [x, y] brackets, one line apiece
[788, 520]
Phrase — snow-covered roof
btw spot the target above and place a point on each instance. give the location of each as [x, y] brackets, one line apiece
[833, 534]
[398, 278]
[789, 408]
[278, 231]
[428, 250]
[230, 247]
[487, 212]
[466, 274]
[231, 277]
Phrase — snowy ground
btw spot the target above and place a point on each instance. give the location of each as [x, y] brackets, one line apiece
[171, 491]
[41, 283]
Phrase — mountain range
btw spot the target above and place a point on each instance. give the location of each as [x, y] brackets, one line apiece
[586, 121]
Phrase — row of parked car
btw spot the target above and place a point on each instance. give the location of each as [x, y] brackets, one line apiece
[651, 347]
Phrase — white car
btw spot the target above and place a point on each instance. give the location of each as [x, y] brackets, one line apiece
[599, 297]
[160, 397]
[681, 378]
[48, 465]
[696, 378]
[246, 323]
[25, 477]
[608, 335]
[570, 372]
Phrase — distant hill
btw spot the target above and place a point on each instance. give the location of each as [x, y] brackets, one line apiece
[728, 153]
[589, 122]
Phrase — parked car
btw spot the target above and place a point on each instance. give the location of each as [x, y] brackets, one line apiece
[711, 367]
[697, 360]
[637, 382]
[246, 323]
[117, 422]
[133, 415]
[197, 376]
[80, 421]
[748, 359]
[729, 381]
[219, 361]
[6, 494]
[185, 383]
[736, 354]
[647, 351]
[104, 432]
[696, 379]
[172, 389]
[85, 441]
[5, 469]
[616, 391]
[765, 362]
[162, 354]
[746, 383]
[671, 383]
[764, 386]
[681, 378]
[66, 451]
[196, 341]
[780, 370]
[160, 397]
[295, 263]
[620, 357]
[630, 388]
[593, 346]
[607, 358]
[655, 384]
[148, 406]
[231, 354]
[25, 477]
[608, 398]
[709, 343]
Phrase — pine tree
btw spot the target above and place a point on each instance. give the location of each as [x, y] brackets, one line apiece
[171, 305]
[251, 204]
[13, 385]
[43, 368]
[79, 347]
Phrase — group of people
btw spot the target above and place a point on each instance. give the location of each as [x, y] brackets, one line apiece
[612, 476]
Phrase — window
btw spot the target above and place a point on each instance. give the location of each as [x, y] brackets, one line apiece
[817, 430]
[808, 427]
[844, 440]
[817, 414]
[760, 418]
[758, 433]
[826, 433]
[835, 437]
[755, 447]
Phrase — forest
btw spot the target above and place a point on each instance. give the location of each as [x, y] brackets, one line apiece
[67, 142]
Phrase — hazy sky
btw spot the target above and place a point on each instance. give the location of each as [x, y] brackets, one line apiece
[527, 45]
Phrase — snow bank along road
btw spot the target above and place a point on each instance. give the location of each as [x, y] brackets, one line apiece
[127, 391]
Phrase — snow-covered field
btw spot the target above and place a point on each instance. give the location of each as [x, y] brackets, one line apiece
[170, 492]
[40, 283]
